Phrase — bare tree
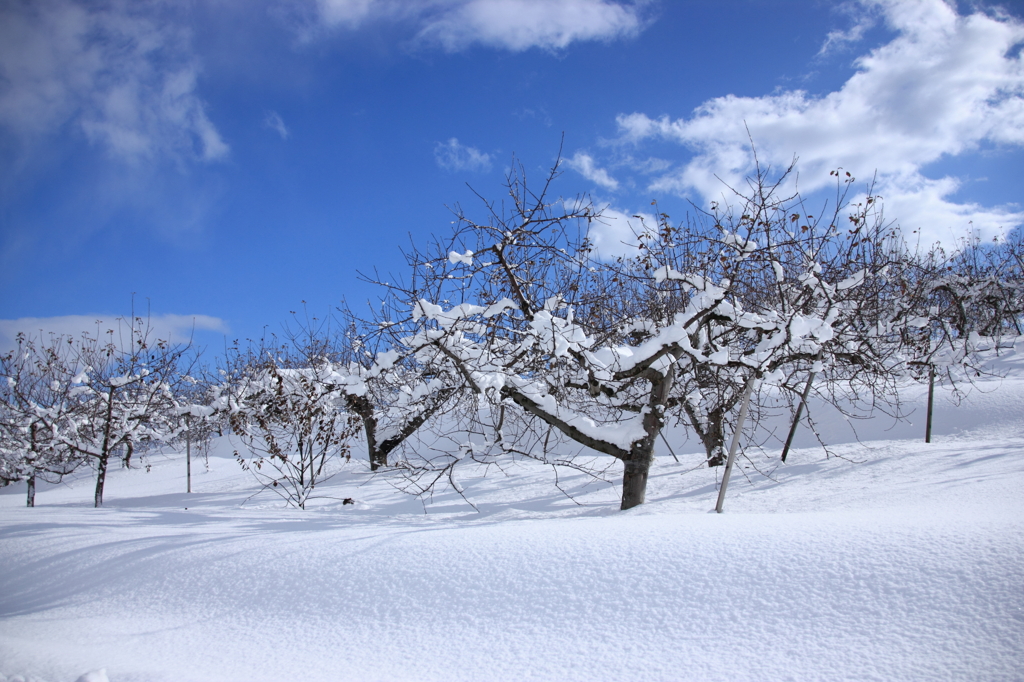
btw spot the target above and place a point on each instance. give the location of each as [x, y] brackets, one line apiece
[124, 388]
[789, 275]
[35, 402]
[287, 405]
[394, 388]
[961, 307]
[198, 421]
[604, 352]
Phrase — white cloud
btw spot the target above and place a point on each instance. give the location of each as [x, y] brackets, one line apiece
[273, 120]
[942, 87]
[173, 328]
[123, 73]
[615, 232]
[454, 156]
[584, 165]
[514, 25]
[518, 25]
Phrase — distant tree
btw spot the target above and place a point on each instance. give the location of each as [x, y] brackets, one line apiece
[198, 421]
[961, 307]
[124, 391]
[287, 405]
[35, 402]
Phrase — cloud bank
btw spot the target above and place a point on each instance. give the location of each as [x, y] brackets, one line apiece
[944, 86]
[173, 328]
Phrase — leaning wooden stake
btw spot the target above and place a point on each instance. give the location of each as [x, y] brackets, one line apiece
[800, 409]
[735, 442]
[931, 403]
[662, 434]
[188, 455]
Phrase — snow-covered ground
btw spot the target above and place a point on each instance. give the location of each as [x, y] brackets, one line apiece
[896, 561]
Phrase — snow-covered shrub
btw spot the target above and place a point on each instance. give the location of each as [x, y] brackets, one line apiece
[289, 412]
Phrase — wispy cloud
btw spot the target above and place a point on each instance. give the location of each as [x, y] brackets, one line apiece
[172, 328]
[584, 164]
[273, 120]
[122, 73]
[942, 87]
[862, 22]
[514, 25]
[518, 25]
[454, 156]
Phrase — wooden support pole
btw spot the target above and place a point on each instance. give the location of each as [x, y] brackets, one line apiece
[931, 404]
[188, 455]
[735, 441]
[662, 434]
[800, 408]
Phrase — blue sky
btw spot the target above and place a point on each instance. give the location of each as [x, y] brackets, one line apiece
[224, 161]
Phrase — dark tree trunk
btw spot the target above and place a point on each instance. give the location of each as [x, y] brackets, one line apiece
[637, 466]
[800, 408]
[634, 482]
[713, 438]
[101, 476]
[31, 497]
[378, 452]
[105, 449]
[637, 460]
[362, 407]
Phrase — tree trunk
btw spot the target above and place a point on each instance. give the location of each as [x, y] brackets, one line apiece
[634, 481]
[638, 464]
[101, 476]
[378, 452]
[377, 457]
[362, 407]
[31, 497]
[713, 438]
[105, 448]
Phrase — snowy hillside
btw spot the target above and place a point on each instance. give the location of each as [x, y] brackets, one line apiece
[895, 560]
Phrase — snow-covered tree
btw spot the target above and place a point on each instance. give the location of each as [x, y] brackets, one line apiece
[289, 412]
[298, 404]
[124, 391]
[959, 308]
[394, 388]
[803, 297]
[605, 352]
[35, 401]
[198, 421]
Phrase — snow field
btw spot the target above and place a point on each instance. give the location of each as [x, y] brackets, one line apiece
[899, 562]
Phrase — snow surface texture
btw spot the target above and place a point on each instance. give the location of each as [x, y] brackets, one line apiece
[900, 562]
